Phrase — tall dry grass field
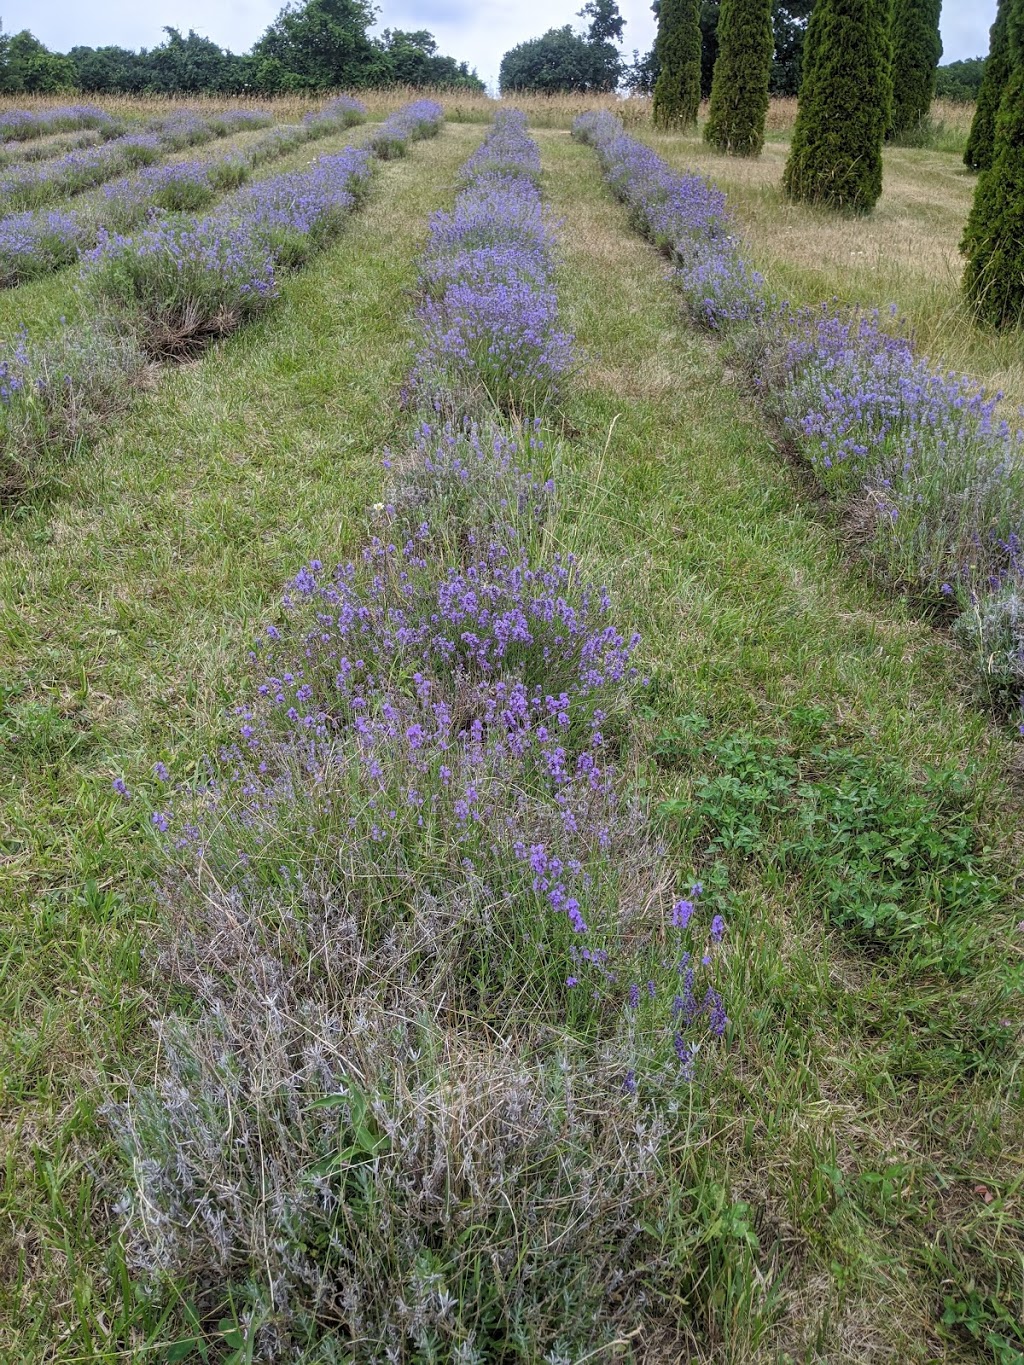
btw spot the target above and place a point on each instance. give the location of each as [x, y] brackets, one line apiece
[461, 106]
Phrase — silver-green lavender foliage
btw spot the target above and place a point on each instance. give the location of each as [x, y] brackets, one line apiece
[445, 1002]
[57, 394]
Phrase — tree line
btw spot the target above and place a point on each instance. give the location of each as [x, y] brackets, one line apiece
[868, 76]
[313, 45]
[565, 61]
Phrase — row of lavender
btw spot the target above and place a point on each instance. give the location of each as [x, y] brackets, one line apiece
[489, 312]
[23, 125]
[922, 455]
[182, 282]
[37, 243]
[32, 186]
[166, 292]
[444, 1003]
[20, 153]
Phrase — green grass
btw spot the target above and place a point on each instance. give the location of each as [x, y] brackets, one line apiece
[866, 1104]
[129, 598]
[866, 1091]
[905, 253]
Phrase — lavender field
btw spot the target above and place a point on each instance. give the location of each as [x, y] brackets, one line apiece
[510, 758]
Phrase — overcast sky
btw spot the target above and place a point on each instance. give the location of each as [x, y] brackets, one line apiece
[475, 31]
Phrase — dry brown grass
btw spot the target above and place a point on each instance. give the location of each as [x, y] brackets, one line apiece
[952, 116]
[545, 111]
[461, 106]
[905, 253]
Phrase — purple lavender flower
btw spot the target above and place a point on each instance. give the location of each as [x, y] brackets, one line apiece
[682, 913]
[420, 119]
[684, 216]
[489, 319]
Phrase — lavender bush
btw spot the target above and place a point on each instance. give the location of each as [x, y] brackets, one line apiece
[456, 475]
[490, 311]
[939, 470]
[446, 1004]
[991, 629]
[26, 124]
[506, 150]
[441, 981]
[15, 153]
[685, 217]
[33, 244]
[921, 460]
[32, 186]
[184, 187]
[929, 472]
[297, 215]
[55, 395]
[421, 119]
[179, 284]
[341, 112]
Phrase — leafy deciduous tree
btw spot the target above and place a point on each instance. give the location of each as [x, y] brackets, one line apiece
[29, 66]
[413, 59]
[320, 45]
[960, 81]
[563, 61]
[559, 61]
[789, 22]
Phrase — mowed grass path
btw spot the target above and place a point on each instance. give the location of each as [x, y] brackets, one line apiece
[128, 599]
[864, 1107]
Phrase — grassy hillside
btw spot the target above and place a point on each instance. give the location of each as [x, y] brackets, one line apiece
[129, 597]
[845, 1174]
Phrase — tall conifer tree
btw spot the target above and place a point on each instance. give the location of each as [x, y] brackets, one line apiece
[994, 240]
[739, 90]
[978, 155]
[916, 49]
[677, 89]
[836, 154]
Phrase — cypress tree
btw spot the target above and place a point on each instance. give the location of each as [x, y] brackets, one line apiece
[978, 156]
[994, 240]
[739, 91]
[916, 49]
[836, 154]
[677, 89]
